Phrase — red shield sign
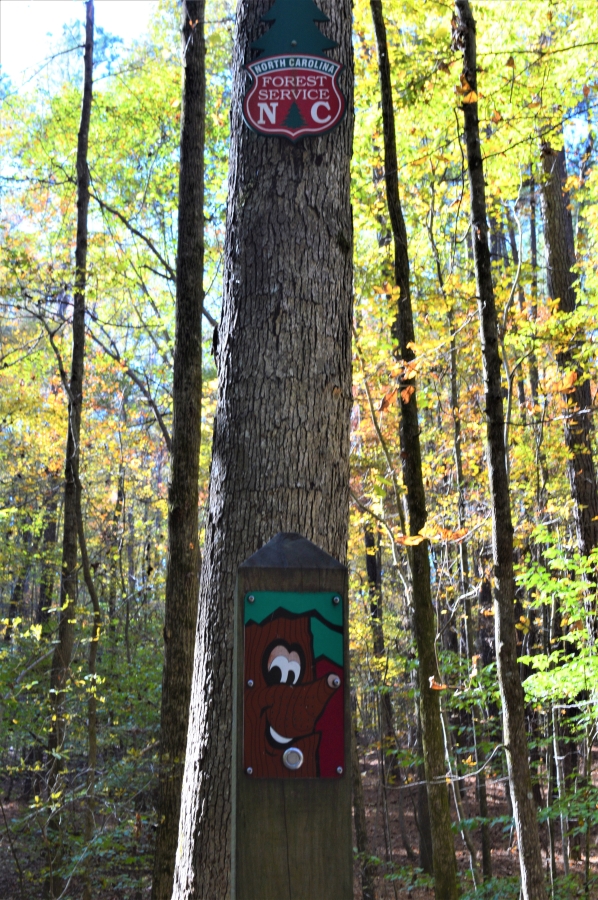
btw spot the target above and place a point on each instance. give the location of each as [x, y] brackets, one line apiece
[293, 96]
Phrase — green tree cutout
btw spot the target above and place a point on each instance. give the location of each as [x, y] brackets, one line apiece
[294, 29]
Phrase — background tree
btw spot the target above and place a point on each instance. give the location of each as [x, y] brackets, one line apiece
[61, 659]
[182, 579]
[532, 877]
[560, 260]
[443, 850]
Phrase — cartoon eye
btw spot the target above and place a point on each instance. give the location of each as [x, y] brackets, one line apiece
[284, 666]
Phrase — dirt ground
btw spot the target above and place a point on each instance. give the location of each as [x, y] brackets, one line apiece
[505, 856]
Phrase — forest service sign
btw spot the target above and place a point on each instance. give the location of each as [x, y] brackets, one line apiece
[294, 89]
[293, 96]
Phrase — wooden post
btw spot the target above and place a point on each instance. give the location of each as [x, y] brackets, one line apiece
[291, 783]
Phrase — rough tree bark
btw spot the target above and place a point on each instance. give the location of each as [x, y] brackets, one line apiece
[281, 437]
[68, 586]
[513, 708]
[558, 241]
[443, 847]
[182, 578]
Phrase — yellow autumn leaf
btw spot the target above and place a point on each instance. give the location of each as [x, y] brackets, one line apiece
[566, 383]
[411, 540]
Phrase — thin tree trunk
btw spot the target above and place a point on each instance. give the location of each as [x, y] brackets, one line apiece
[92, 730]
[113, 548]
[550, 796]
[374, 573]
[46, 582]
[532, 878]
[558, 240]
[465, 590]
[14, 604]
[521, 303]
[424, 827]
[559, 756]
[454, 775]
[280, 458]
[182, 579]
[534, 378]
[443, 847]
[368, 887]
[533, 241]
[68, 587]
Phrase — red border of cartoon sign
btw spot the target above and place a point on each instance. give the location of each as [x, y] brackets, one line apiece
[262, 117]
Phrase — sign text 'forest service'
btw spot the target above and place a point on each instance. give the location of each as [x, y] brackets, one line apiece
[293, 96]
[294, 89]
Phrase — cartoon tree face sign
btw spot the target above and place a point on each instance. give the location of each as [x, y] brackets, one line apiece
[293, 696]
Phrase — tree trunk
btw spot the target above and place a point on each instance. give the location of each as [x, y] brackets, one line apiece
[465, 590]
[14, 604]
[92, 703]
[532, 878]
[558, 241]
[374, 573]
[280, 459]
[533, 241]
[68, 586]
[368, 885]
[443, 848]
[424, 827]
[182, 579]
[46, 582]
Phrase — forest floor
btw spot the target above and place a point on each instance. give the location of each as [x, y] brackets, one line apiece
[408, 883]
[505, 857]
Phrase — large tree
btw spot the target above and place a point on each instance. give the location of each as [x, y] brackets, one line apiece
[182, 578]
[280, 459]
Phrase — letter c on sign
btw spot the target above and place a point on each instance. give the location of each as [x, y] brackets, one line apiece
[315, 112]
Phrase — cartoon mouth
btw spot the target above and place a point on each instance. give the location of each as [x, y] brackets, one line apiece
[278, 738]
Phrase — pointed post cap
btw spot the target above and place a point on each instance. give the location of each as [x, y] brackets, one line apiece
[291, 551]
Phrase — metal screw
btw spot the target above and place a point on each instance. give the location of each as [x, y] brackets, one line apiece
[250, 771]
[250, 683]
[335, 681]
[340, 770]
[336, 600]
[293, 43]
[251, 599]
